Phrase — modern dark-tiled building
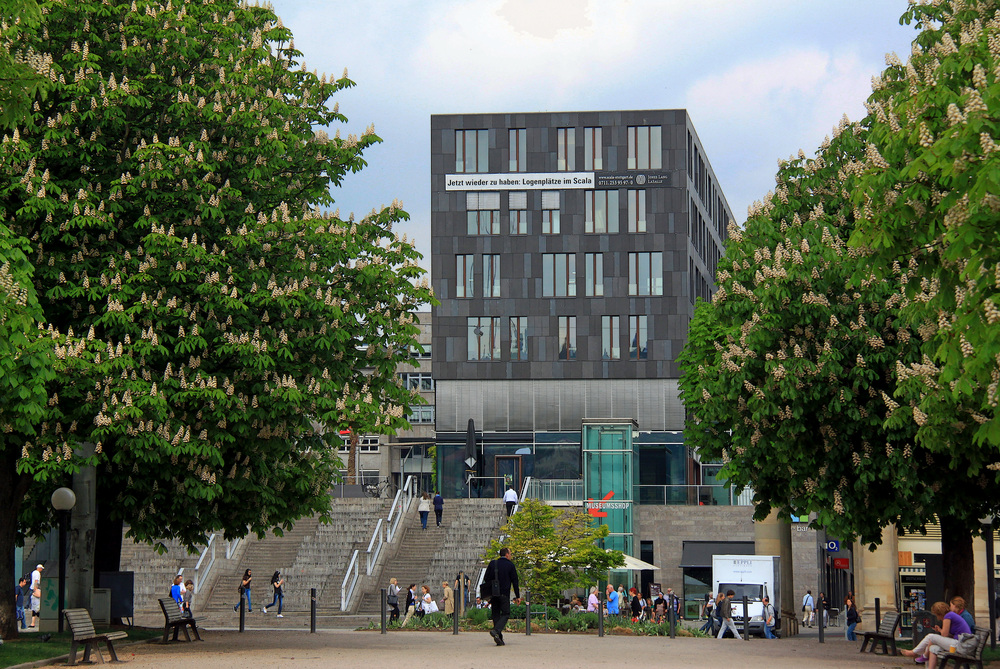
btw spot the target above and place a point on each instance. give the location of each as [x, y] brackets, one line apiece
[567, 253]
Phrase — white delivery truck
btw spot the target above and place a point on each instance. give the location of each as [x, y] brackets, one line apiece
[754, 576]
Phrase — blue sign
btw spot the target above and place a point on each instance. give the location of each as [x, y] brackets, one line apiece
[833, 545]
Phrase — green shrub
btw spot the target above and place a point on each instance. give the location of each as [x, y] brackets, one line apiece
[538, 611]
[477, 616]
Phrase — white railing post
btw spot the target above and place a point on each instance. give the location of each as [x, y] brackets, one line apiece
[201, 575]
[347, 590]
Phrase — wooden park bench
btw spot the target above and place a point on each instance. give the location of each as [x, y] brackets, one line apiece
[176, 620]
[82, 628]
[963, 661]
[885, 634]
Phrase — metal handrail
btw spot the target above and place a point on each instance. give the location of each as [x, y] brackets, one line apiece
[520, 498]
[347, 591]
[231, 547]
[200, 577]
[401, 502]
[385, 532]
[374, 547]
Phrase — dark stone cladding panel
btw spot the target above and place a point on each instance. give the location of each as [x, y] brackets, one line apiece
[521, 255]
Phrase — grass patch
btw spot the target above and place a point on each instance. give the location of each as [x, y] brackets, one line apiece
[30, 648]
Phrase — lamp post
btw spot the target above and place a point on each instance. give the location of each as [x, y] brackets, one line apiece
[63, 501]
[987, 524]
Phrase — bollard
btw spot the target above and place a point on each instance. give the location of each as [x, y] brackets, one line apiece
[383, 607]
[820, 613]
[312, 610]
[746, 618]
[600, 618]
[527, 615]
[243, 602]
[878, 612]
[455, 611]
[461, 591]
[672, 617]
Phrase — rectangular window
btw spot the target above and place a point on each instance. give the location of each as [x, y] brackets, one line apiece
[491, 276]
[644, 147]
[567, 337]
[601, 211]
[550, 212]
[636, 211]
[464, 283]
[419, 381]
[422, 414]
[367, 443]
[565, 149]
[558, 275]
[483, 212]
[645, 273]
[611, 338]
[517, 203]
[519, 338]
[484, 338]
[593, 146]
[638, 338]
[594, 274]
[518, 149]
[472, 151]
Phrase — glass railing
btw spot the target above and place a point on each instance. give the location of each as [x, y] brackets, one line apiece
[556, 490]
[692, 495]
[571, 490]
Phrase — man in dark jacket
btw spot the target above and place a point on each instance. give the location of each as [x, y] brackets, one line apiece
[438, 507]
[502, 569]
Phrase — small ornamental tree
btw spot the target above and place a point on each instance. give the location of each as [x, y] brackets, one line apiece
[555, 550]
[218, 325]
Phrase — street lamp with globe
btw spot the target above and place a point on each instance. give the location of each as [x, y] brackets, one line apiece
[63, 501]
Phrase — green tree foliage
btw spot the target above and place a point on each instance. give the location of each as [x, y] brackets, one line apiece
[931, 190]
[808, 373]
[23, 71]
[217, 324]
[555, 550]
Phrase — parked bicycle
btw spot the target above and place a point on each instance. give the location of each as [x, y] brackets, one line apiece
[384, 488]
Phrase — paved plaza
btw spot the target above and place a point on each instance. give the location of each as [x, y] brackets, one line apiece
[225, 649]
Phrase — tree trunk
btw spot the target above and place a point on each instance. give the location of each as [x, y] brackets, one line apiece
[957, 561]
[13, 487]
[352, 458]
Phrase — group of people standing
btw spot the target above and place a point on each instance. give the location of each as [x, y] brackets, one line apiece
[418, 605]
[30, 594]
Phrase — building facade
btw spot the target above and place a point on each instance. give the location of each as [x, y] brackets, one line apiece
[568, 250]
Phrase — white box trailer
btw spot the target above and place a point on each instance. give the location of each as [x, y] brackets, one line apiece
[754, 576]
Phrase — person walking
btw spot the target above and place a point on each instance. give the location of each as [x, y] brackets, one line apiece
[510, 499]
[424, 508]
[593, 601]
[449, 598]
[502, 571]
[438, 507]
[411, 603]
[769, 618]
[709, 610]
[726, 609]
[277, 581]
[244, 589]
[852, 620]
[807, 609]
[427, 603]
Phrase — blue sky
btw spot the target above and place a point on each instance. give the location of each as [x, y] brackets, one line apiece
[760, 78]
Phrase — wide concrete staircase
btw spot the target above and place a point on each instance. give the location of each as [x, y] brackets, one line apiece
[154, 572]
[311, 555]
[427, 557]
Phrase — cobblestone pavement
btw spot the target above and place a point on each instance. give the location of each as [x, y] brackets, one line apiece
[224, 649]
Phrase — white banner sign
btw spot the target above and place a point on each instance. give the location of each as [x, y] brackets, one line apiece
[533, 181]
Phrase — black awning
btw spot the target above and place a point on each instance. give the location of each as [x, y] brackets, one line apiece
[699, 553]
